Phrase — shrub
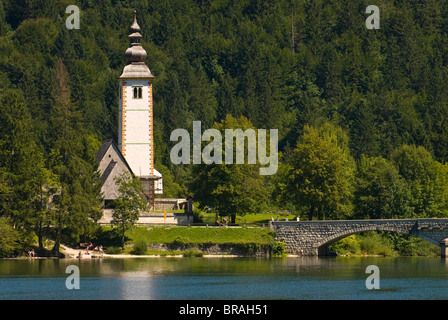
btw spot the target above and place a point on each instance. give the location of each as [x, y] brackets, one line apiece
[140, 247]
[192, 253]
[181, 241]
[373, 243]
[278, 249]
[346, 246]
[113, 250]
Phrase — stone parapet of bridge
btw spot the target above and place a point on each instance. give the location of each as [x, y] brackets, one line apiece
[311, 238]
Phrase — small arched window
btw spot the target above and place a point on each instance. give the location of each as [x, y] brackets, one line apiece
[137, 92]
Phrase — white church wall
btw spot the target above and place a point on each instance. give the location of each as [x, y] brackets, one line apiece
[138, 157]
[135, 129]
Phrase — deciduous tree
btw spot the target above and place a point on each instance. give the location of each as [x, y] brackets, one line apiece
[321, 175]
[129, 204]
[230, 189]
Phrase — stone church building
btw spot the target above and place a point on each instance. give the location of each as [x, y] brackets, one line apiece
[134, 151]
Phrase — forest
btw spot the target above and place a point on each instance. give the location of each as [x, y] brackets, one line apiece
[361, 113]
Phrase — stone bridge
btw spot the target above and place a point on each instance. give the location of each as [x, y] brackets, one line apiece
[311, 238]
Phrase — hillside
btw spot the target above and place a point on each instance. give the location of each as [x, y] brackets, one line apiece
[361, 114]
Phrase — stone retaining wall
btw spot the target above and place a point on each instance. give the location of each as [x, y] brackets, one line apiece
[215, 249]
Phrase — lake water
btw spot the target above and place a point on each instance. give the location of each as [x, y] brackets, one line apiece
[165, 278]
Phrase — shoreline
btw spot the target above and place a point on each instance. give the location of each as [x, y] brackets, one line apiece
[71, 254]
[126, 256]
[130, 256]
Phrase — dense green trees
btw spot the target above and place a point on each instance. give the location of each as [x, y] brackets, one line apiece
[79, 201]
[230, 189]
[380, 191]
[292, 66]
[425, 178]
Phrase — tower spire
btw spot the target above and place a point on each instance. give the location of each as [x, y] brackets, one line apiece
[136, 55]
[135, 27]
[135, 52]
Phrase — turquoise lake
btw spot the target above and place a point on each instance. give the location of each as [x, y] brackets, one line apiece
[204, 278]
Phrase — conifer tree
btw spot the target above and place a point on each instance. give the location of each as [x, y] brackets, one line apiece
[28, 185]
[79, 200]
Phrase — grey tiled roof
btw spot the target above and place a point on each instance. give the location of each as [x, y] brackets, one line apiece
[136, 70]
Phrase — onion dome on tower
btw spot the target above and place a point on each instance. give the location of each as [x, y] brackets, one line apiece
[135, 55]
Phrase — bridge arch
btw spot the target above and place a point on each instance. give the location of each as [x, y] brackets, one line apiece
[323, 245]
[345, 233]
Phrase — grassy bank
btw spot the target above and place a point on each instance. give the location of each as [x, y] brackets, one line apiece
[195, 240]
[246, 240]
[196, 235]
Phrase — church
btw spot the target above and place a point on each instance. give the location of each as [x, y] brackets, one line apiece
[134, 151]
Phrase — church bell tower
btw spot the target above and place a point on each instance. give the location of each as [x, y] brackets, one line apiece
[135, 115]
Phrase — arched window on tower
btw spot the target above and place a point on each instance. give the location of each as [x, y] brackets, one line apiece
[137, 92]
